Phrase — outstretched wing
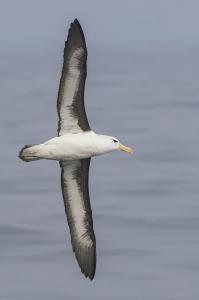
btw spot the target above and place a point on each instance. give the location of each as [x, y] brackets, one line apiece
[70, 102]
[74, 182]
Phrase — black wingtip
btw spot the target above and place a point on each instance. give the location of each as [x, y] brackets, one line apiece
[76, 34]
[91, 277]
[87, 260]
[91, 271]
[92, 274]
[76, 23]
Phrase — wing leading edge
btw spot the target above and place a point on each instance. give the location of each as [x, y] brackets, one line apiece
[74, 182]
[70, 102]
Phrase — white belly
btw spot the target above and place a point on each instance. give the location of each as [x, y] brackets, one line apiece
[62, 152]
[68, 147]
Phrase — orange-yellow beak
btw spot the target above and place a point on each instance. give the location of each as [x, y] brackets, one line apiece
[126, 149]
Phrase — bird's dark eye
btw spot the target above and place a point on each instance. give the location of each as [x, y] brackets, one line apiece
[115, 141]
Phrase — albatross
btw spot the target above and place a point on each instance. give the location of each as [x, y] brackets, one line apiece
[74, 146]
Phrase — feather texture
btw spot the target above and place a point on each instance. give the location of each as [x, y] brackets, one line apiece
[74, 182]
[70, 102]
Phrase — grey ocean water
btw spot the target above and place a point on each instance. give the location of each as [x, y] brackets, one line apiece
[142, 87]
[145, 207]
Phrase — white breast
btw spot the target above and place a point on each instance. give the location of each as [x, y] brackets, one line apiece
[69, 147]
[74, 146]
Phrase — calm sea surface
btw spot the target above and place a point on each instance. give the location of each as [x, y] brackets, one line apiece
[145, 207]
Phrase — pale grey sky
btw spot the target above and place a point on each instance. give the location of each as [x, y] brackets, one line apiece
[145, 208]
[36, 25]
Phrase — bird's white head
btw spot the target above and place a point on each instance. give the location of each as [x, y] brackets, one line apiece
[109, 143]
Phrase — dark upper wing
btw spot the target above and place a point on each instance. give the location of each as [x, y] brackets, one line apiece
[74, 182]
[70, 102]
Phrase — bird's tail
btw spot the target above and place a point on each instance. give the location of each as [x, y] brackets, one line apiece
[28, 153]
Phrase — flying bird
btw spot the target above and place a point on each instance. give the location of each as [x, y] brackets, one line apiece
[74, 146]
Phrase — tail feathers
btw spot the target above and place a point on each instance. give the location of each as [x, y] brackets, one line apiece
[27, 155]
